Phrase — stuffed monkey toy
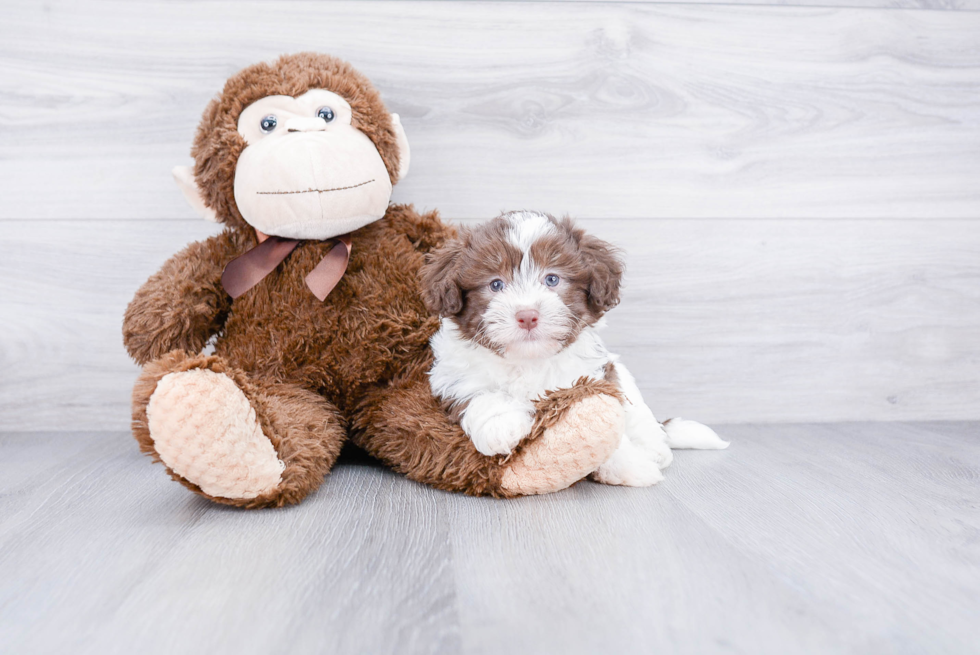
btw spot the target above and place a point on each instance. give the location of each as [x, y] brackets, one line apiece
[310, 296]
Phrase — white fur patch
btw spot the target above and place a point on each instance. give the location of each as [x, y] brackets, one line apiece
[464, 369]
[526, 228]
[682, 433]
[496, 422]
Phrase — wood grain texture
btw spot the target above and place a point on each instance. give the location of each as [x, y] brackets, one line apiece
[835, 538]
[930, 5]
[602, 110]
[800, 539]
[99, 552]
[723, 321]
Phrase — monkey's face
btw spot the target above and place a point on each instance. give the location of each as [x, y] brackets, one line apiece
[307, 173]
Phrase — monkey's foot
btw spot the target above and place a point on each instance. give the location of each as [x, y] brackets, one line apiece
[205, 430]
[584, 437]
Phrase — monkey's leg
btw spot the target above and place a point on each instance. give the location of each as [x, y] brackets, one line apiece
[231, 438]
[576, 430]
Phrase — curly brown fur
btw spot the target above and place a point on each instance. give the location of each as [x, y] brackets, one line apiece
[365, 350]
[403, 425]
[279, 337]
[218, 144]
[308, 367]
[183, 304]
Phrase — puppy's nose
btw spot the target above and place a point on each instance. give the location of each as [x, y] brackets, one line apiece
[527, 318]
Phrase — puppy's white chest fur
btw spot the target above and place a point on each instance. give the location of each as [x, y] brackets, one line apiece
[464, 369]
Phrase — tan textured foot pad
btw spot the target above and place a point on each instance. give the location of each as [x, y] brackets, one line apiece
[204, 428]
[570, 450]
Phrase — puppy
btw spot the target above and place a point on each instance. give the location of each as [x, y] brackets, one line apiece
[522, 300]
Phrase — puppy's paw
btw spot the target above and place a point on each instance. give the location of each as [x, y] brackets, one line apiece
[649, 439]
[496, 425]
[653, 444]
[629, 467]
[643, 473]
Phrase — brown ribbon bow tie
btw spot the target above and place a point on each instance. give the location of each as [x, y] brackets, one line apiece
[245, 271]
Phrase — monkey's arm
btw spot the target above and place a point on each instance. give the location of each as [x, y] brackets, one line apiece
[183, 304]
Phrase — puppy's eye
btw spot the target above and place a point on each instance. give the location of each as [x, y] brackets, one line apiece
[326, 113]
[552, 280]
[497, 285]
[268, 124]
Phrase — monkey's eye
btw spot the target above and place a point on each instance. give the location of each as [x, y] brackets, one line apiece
[497, 285]
[552, 280]
[268, 124]
[326, 113]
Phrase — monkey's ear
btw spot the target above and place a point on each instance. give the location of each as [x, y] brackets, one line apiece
[440, 280]
[404, 156]
[184, 176]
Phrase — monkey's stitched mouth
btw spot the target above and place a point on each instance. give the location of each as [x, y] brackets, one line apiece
[287, 193]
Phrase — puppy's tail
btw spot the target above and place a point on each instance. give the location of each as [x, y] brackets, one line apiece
[691, 434]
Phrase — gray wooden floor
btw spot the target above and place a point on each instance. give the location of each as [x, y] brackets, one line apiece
[833, 538]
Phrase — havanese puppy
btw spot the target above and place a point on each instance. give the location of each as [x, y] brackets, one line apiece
[522, 299]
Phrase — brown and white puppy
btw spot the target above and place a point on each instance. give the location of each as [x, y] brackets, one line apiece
[522, 300]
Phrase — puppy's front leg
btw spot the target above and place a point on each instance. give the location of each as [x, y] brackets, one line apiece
[496, 422]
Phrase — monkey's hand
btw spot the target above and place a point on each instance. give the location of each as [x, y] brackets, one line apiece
[183, 304]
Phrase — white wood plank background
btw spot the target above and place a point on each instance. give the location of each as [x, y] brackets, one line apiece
[601, 110]
[731, 321]
[797, 186]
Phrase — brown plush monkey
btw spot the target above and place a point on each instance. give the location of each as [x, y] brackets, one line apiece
[297, 159]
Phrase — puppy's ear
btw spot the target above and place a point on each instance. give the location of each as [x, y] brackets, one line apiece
[440, 279]
[605, 264]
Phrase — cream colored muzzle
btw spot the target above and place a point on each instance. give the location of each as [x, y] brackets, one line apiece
[311, 182]
[306, 171]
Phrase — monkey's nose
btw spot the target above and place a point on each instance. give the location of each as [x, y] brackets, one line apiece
[527, 318]
[306, 124]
